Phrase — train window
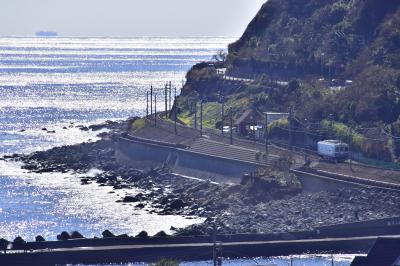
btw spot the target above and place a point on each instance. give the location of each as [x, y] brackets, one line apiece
[341, 149]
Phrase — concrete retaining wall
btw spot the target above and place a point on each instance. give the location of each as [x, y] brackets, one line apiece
[182, 161]
[314, 183]
[144, 154]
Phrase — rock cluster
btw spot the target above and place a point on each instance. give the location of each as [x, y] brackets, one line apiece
[260, 205]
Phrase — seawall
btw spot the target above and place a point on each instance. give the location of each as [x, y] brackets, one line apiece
[142, 153]
[185, 252]
[181, 160]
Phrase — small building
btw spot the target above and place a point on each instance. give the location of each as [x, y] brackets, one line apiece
[221, 71]
[251, 124]
[273, 116]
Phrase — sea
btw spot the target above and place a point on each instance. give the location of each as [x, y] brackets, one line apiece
[49, 88]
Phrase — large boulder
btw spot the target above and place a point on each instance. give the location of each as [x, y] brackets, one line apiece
[76, 235]
[161, 234]
[107, 234]
[135, 198]
[40, 238]
[63, 236]
[19, 243]
[143, 234]
[177, 204]
[4, 244]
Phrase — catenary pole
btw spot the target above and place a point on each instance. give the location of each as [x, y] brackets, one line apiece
[166, 101]
[195, 115]
[222, 115]
[201, 118]
[155, 109]
[231, 125]
[151, 100]
[147, 104]
[175, 116]
[266, 133]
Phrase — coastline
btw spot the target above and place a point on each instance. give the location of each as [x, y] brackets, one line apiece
[233, 208]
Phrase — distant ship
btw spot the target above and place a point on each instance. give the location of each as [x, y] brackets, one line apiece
[46, 34]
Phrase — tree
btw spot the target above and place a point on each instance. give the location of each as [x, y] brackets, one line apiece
[220, 56]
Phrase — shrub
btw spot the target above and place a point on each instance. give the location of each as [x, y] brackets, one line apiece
[138, 124]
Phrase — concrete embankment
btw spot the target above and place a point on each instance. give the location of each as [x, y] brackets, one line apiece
[140, 152]
[346, 238]
[185, 252]
[225, 166]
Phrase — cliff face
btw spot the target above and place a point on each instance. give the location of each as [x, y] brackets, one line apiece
[306, 40]
[314, 45]
[330, 37]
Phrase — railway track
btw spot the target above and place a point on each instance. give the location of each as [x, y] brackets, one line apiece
[244, 150]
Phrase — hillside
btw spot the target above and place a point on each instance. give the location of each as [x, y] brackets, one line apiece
[315, 46]
[304, 37]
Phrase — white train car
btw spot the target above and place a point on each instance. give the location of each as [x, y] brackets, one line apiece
[333, 149]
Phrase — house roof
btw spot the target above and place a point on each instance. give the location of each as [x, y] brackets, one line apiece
[246, 114]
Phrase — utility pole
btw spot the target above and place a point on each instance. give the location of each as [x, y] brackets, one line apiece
[175, 96]
[155, 109]
[147, 104]
[222, 115]
[166, 101]
[322, 64]
[231, 125]
[195, 115]
[290, 129]
[175, 93]
[331, 126]
[217, 249]
[351, 148]
[254, 130]
[214, 244]
[151, 100]
[266, 134]
[201, 117]
[175, 117]
[170, 98]
[305, 141]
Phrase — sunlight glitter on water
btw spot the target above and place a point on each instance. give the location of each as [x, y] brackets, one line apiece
[54, 202]
[60, 83]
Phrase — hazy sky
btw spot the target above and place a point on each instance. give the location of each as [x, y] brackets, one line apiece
[128, 17]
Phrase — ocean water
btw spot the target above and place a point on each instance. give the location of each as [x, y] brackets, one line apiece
[59, 84]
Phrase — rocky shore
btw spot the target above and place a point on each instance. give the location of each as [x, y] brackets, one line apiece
[257, 205]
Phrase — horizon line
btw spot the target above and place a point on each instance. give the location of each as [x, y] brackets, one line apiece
[116, 37]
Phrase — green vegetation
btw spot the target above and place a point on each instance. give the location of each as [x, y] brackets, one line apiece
[186, 117]
[138, 124]
[211, 115]
[342, 132]
[310, 43]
